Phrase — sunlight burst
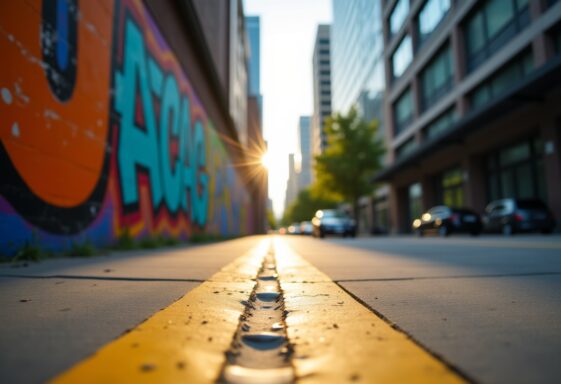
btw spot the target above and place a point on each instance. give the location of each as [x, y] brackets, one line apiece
[266, 160]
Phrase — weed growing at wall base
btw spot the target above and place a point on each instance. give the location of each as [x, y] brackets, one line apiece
[83, 249]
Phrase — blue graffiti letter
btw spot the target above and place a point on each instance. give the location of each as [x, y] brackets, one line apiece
[137, 146]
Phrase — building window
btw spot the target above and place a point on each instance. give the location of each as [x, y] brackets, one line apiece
[398, 15]
[437, 78]
[325, 82]
[325, 72]
[324, 51]
[406, 148]
[324, 62]
[450, 188]
[415, 194]
[381, 220]
[555, 35]
[326, 103]
[430, 17]
[402, 57]
[324, 41]
[440, 124]
[403, 111]
[517, 171]
[491, 26]
[326, 93]
[503, 80]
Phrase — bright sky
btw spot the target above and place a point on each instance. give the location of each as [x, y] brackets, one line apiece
[288, 29]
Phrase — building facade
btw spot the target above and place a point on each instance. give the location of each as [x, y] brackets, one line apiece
[144, 151]
[321, 73]
[256, 147]
[473, 95]
[291, 182]
[253, 26]
[359, 81]
[305, 148]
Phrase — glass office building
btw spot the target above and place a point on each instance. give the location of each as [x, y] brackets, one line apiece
[358, 81]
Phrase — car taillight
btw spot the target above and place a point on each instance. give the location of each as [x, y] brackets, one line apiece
[518, 217]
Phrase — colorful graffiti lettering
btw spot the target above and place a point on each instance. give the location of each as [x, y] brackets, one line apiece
[103, 132]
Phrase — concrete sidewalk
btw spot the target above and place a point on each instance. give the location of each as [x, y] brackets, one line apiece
[57, 312]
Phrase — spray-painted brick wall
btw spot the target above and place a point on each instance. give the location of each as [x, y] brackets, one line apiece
[101, 131]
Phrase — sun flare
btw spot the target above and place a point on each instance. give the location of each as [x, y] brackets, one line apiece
[266, 160]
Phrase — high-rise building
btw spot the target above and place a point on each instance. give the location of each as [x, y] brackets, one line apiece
[321, 68]
[256, 144]
[239, 55]
[292, 182]
[358, 81]
[358, 57]
[305, 147]
[473, 96]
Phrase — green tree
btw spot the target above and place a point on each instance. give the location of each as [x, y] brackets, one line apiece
[353, 155]
[306, 205]
[271, 219]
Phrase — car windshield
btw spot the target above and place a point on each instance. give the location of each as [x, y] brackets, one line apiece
[331, 214]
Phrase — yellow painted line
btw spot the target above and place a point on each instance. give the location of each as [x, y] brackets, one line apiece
[338, 340]
[183, 343]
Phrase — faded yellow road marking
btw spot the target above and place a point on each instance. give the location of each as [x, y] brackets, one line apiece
[337, 340]
[183, 343]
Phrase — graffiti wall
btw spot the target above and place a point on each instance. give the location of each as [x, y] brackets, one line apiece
[102, 132]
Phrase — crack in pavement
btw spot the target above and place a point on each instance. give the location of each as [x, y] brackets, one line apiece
[110, 278]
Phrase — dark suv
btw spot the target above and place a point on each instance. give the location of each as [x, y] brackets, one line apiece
[331, 221]
[444, 220]
[518, 215]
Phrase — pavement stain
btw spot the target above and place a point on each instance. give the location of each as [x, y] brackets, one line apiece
[147, 367]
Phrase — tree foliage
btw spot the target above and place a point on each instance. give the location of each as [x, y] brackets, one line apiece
[306, 205]
[352, 156]
[271, 221]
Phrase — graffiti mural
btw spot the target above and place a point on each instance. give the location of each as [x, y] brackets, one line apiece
[102, 131]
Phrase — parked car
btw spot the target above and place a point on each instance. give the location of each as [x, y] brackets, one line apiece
[444, 220]
[518, 215]
[294, 229]
[306, 228]
[331, 221]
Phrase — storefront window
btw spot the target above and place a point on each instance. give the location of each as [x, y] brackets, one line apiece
[415, 201]
[452, 188]
[382, 223]
[517, 172]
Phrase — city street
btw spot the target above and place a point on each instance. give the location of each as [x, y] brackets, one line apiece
[488, 307]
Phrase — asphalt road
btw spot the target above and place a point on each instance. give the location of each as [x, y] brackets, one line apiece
[489, 306]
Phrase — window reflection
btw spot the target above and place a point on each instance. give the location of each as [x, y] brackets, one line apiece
[402, 57]
[430, 16]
